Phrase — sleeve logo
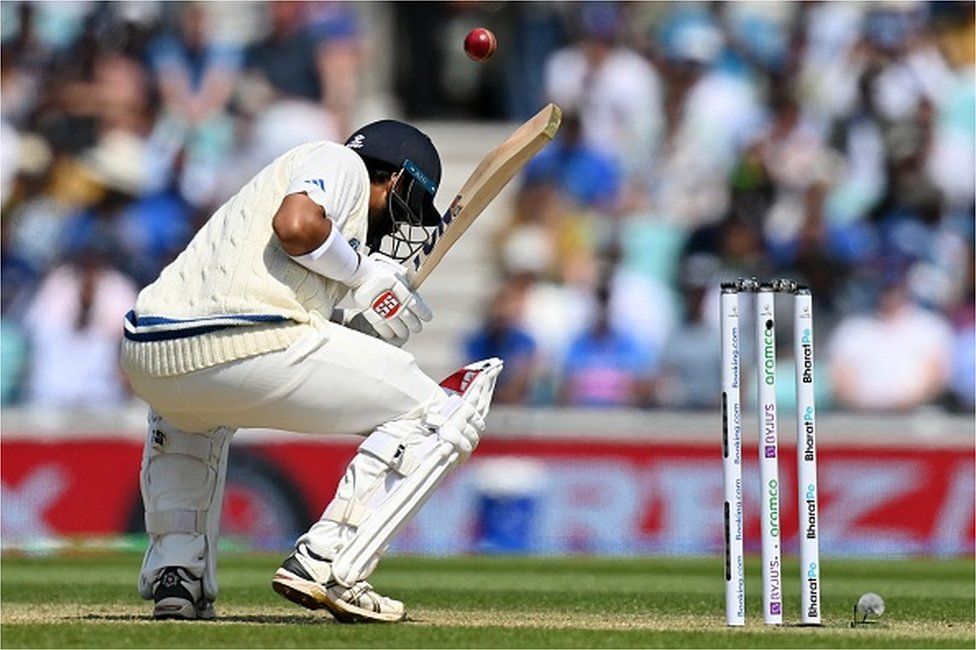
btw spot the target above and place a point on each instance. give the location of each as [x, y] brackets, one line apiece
[317, 182]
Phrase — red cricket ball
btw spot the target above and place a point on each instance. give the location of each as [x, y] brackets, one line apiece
[480, 44]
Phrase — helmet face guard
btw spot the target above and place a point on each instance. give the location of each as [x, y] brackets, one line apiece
[406, 202]
[413, 188]
[404, 241]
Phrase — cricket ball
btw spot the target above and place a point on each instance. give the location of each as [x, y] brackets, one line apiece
[480, 44]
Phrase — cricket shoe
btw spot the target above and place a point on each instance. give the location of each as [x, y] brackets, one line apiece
[306, 579]
[178, 594]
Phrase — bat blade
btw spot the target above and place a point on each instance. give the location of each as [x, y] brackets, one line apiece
[488, 179]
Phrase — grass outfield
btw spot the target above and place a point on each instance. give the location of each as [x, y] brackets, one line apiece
[90, 601]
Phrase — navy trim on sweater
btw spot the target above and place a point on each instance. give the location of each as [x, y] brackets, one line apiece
[161, 328]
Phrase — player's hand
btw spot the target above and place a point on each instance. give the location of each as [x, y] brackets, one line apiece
[387, 303]
[359, 323]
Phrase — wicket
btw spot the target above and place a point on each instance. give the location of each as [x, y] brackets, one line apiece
[806, 450]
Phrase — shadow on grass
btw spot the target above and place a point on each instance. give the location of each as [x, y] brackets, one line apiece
[261, 619]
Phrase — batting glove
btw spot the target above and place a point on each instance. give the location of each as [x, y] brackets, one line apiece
[387, 304]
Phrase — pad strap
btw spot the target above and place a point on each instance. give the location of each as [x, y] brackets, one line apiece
[345, 511]
[393, 451]
[188, 444]
[193, 522]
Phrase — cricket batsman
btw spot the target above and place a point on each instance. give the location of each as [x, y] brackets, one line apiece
[242, 330]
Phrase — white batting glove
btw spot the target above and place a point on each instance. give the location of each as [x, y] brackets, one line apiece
[461, 420]
[388, 305]
[359, 323]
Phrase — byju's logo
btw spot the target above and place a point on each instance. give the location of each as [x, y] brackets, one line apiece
[769, 429]
[357, 141]
[775, 587]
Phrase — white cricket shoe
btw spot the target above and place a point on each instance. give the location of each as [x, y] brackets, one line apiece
[178, 594]
[306, 579]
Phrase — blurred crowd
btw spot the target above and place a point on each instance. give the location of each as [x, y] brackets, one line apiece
[124, 125]
[832, 143]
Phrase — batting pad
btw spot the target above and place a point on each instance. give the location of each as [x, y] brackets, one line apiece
[459, 424]
[182, 482]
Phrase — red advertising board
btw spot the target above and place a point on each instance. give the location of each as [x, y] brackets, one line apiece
[593, 496]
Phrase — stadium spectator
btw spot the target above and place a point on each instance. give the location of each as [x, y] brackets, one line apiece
[896, 358]
[581, 172]
[13, 360]
[962, 387]
[116, 173]
[736, 241]
[952, 164]
[962, 382]
[553, 312]
[67, 129]
[689, 376]
[709, 114]
[22, 60]
[858, 137]
[805, 141]
[639, 303]
[112, 95]
[794, 160]
[549, 235]
[196, 73]
[606, 366]
[613, 89]
[75, 316]
[310, 54]
[18, 280]
[501, 336]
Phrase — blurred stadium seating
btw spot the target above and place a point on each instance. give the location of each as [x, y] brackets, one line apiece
[833, 143]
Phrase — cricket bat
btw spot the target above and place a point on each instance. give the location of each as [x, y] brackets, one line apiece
[488, 179]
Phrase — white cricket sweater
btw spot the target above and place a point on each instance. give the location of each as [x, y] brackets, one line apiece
[234, 292]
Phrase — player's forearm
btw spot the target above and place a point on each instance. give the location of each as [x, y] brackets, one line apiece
[335, 259]
[310, 238]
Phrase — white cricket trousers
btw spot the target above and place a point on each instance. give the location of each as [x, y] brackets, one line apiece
[332, 380]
